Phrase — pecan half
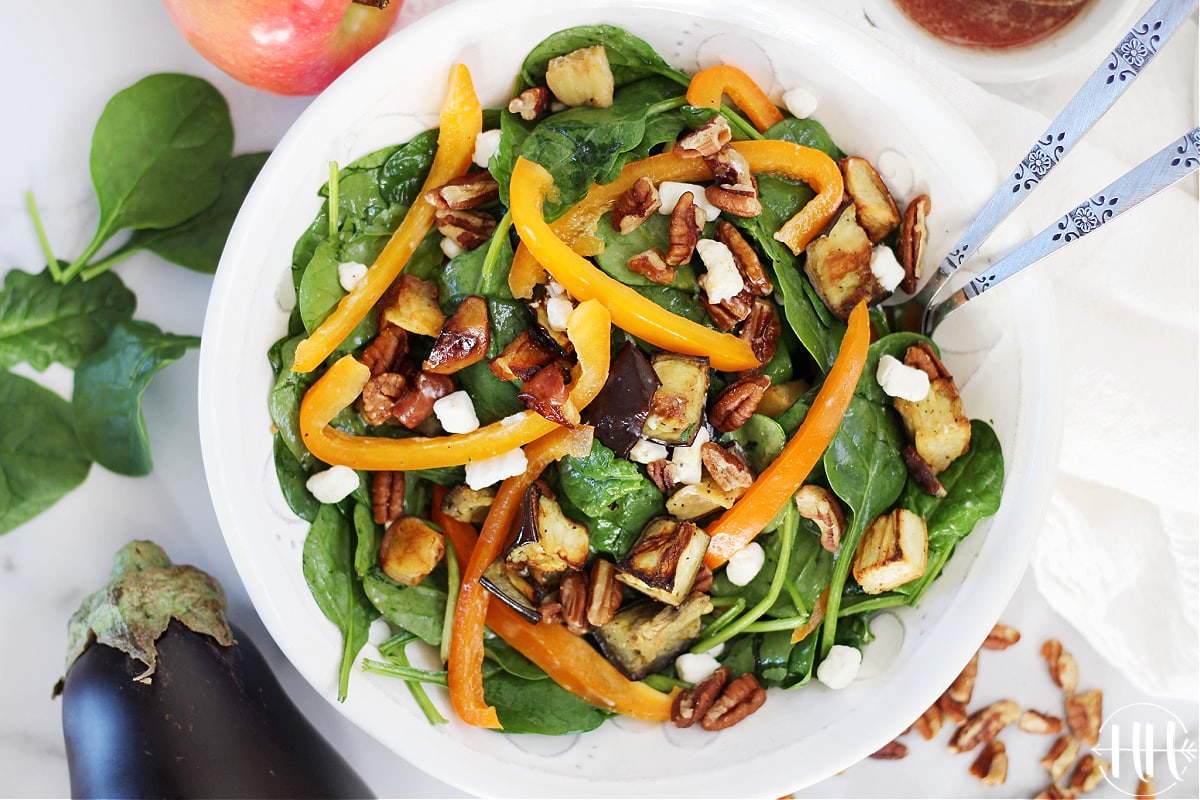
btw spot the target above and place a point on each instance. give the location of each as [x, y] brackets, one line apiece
[730, 311]
[415, 404]
[737, 200]
[892, 751]
[821, 506]
[964, 685]
[704, 579]
[687, 220]
[1036, 722]
[573, 596]
[762, 329]
[653, 265]
[914, 232]
[690, 705]
[604, 593]
[741, 698]
[1087, 774]
[1084, 715]
[1001, 637]
[662, 473]
[991, 766]
[379, 396]
[466, 191]
[386, 351]
[984, 725]
[531, 103]
[929, 724]
[1064, 670]
[748, 263]
[706, 140]
[467, 229]
[635, 205]
[728, 471]
[737, 402]
[387, 495]
[1060, 756]
[952, 710]
[921, 471]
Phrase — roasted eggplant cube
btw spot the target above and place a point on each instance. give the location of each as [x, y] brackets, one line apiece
[677, 408]
[548, 542]
[839, 265]
[937, 425]
[873, 203]
[664, 560]
[513, 590]
[892, 551]
[619, 410]
[645, 637]
[410, 550]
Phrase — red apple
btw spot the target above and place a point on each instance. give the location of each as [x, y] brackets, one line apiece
[293, 47]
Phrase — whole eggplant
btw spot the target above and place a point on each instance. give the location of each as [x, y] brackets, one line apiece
[163, 698]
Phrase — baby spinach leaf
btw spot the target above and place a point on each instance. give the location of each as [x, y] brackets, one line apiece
[620, 247]
[510, 659]
[418, 609]
[43, 321]
[159, 153]
[108, 394]
[367, 537]
[403, 173]
[614, 498]
[328, 563]
[40, 456]
[539, 706]
[292, 479]
[283, 402]
[806, 132]
[763, 440]
[629, 57]
[197, 242]
[320, 292]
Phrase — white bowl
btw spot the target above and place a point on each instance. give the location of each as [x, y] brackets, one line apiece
[1082, 42]
[1002, 351]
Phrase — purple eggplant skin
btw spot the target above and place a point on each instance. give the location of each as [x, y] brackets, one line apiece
[212, 722]
[619, 410]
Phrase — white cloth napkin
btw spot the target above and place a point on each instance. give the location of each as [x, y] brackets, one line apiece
[1117, 556]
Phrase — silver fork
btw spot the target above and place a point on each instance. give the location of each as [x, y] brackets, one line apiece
[1094, 98]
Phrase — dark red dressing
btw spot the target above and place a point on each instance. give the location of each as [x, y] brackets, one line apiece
[992, 24]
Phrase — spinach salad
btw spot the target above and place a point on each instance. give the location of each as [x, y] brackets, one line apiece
[603, 417]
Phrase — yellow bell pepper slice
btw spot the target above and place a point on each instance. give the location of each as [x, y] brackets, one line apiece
[589, 329]
[461, 121]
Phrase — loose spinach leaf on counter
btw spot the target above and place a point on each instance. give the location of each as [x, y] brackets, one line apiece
[43, 321]
[610, 495]
[40, 456]
[108, 394]
[328, 560]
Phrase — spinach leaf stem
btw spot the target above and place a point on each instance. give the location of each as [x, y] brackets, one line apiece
[452, 586]
[333, 199]
[487, 274]
[51, 261]
[861, 605]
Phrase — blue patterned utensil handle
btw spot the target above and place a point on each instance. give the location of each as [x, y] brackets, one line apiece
[1156, 173]
[1094, 98]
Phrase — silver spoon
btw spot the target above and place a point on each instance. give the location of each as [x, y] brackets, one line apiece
[1094, 98]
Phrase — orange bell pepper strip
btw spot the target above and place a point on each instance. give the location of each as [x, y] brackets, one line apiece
[589, 329]
[569, 660]
[577, 227]
[461, 121]
[630, 311]
[775, 486]
[709, 84]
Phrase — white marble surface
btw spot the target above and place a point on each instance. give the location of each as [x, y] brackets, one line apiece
[60, 65]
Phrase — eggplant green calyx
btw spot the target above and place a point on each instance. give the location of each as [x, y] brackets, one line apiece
[144, 593]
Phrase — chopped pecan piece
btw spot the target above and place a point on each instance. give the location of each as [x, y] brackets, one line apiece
[386, 351]
[706, 140]
[690, 705]
[467, 229]
[652, 264]
[964, 685]
[1060, 756]
[929, 724]
[379, 396]
[523, 357]
[464, 338]
[914, 232]
[1064, 670]
[952, 710]
[991, 766]
[741, 698]
[1146, 789]
[892, 751]
[604, 593]
[573, 596]
[1001, 637]
[984, 725]
[762, 329]
[687, 220]
[531, 103]
[747, 260]
[415, 403]
[387, 495]
[1088, 773]
[662, 473]
[730, 311]
[741, 201]
[1053, 792]
[821, 506]
[1084, 715]
[546, 392]
[1036, 722]
[635, 205]
[704, 579]
[464, 192]
[551, 611]
[922, 474]
[731, 473]
[737, 402]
